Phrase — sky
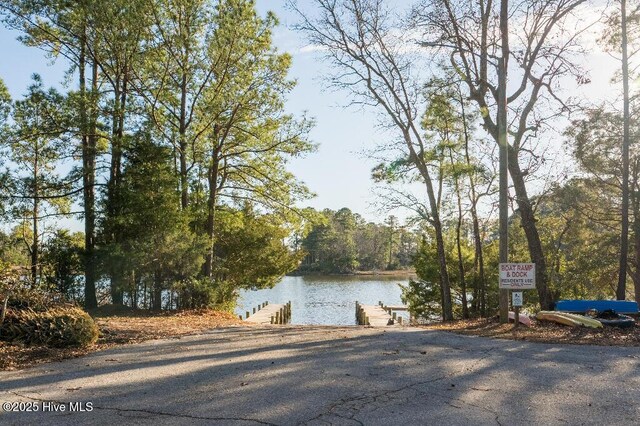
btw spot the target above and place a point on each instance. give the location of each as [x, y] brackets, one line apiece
[338, 172]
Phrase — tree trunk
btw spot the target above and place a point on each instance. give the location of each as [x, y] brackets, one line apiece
[117, 296]
[479, 263]
[211, 211]
[4, 308]
[117, 293]
[463, 283]
[621, 289]
[447, 305]
[636, 283]
[184, 180]
[157, 292]
[479, 290]
[88, 181]
[503, 144]
[134, 292]
[528, 221]
[35, 249]
[390, 244]
[461, 272]
[635, 202]
[115, 171]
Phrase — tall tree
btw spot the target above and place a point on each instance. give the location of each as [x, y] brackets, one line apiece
[443, 124]
[503, 143]
[360, 39]
[247, 137]
[466, 33]
[621, 37]
[477, 176]
[598, 152]
[120, 30]
[35, 147]
[5, 110]
[63, 29]
[175, 74]
[621, 290]
[158, 247]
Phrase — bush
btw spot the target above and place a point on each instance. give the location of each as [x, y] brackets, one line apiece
[423, 300]
[206, 293]
[54, 327]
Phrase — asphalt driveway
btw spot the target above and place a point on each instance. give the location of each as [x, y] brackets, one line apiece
[321, 375]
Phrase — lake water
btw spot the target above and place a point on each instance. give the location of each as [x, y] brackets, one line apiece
[325, 300]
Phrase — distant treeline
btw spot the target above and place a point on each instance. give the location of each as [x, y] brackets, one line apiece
[343, 242]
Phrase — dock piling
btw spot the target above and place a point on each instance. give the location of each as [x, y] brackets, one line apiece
[378, 315]
[270, 314]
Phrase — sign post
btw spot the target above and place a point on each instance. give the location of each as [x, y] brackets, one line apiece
[517, 277]
[516, 302]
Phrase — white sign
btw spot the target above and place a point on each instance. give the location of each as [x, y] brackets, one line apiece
[516, 298]
[518, 276]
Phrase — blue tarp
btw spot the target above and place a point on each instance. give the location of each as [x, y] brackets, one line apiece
[581, 306]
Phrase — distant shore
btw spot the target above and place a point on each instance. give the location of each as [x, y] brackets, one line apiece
[404, 273]
[394, 273]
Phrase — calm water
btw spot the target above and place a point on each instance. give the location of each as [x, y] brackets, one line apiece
[325, 300]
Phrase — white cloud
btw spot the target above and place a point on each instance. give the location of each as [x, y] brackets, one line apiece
[312, 48]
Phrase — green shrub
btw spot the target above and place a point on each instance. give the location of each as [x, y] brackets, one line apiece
[423, 299]
[206, 293]
[54, 327]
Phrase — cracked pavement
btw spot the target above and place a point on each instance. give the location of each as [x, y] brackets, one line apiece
[294, 375]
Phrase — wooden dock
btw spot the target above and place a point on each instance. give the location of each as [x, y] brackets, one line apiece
[375, 316]
[267, 313]
[393, 309]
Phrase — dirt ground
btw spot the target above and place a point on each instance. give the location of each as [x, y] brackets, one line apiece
[118, 327]
[544, 331]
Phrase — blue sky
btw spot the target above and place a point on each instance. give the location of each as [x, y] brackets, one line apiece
[338, 173]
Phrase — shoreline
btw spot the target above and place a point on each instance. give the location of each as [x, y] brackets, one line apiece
[393, 273]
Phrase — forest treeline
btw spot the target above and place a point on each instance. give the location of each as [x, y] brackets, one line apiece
[343, 242]
[171, 140]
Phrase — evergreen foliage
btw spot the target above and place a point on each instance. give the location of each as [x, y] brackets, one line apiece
[342, 242]
[175, 144]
